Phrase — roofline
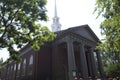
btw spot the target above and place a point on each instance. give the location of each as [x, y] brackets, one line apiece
[71, 28]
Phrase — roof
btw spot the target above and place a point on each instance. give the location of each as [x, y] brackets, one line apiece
[83, 31]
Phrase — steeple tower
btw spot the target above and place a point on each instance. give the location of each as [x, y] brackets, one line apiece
[56, 26]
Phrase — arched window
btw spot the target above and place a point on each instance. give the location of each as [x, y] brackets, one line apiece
[30, 67]
[31, 60]
[24, 67]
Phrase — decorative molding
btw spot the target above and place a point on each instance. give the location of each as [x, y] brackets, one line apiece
[75, 38]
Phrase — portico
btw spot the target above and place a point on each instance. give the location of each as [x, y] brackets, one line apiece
[75, 57]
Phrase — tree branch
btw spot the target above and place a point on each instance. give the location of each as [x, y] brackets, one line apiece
[6, 26]
[3, 11]
[14, 15]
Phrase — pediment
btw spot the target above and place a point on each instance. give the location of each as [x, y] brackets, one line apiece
[86, 32]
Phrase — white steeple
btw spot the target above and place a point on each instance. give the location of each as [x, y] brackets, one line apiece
[56, 26]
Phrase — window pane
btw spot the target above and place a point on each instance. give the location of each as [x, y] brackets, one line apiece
[31, 60]
[14, 67]
[30, 67]
[11, 72]
[24, 67]
[11, 68]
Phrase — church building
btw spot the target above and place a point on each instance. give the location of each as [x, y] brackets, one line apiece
[71, 56]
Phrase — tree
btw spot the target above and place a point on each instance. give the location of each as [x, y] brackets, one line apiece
[113, 70]
[18, 25]
[110, 10]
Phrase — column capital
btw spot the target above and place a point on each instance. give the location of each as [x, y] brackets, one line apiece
[92, 48]
[81, 44]
[98, 51]
[69, 40]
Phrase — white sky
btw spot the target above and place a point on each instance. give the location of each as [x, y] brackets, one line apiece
[71, 13]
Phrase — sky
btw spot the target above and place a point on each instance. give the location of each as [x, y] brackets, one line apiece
[71, 13]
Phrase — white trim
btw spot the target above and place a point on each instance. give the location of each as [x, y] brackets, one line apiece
[25, 51]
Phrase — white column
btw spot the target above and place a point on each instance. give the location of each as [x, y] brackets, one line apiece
[93, 66]
[71, 59]
[84, 69]
[100, 65]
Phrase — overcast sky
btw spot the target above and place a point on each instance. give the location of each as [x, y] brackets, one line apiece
[75, 12]
[71, 13]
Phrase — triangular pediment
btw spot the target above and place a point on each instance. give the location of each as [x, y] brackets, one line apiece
[83, 31]
[86, 32]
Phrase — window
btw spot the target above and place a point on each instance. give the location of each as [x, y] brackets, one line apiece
[31, 60]
[11, 68]
[7, 73]
[18, 69]
[19, 66]
[24, 67]
[14, 67]
[30, 67]
[11, 71]
[14, 70]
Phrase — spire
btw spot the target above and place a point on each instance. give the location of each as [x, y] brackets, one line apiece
[55, 9]
[56, 26]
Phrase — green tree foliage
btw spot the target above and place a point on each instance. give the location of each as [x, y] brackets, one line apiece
[18, 25]
[110, 10]
[113, 70]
